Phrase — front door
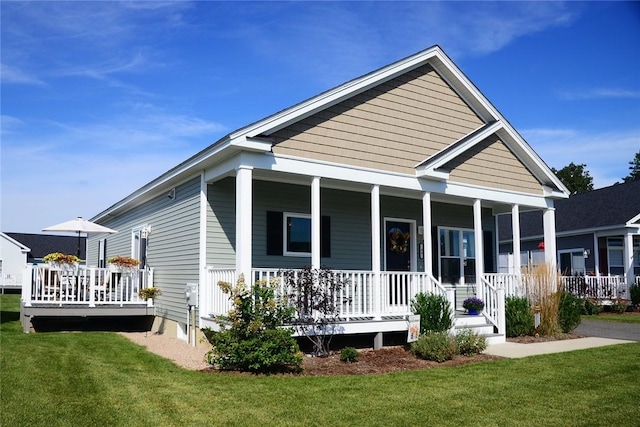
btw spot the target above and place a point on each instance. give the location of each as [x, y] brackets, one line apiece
[398, 245]
[398, 256]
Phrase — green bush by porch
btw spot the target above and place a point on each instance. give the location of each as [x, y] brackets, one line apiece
[65, 379]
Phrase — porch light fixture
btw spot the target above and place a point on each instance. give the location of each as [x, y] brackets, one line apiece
[586, 254]
[172, 194]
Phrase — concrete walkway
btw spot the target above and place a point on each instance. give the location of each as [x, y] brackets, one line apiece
[515, 350]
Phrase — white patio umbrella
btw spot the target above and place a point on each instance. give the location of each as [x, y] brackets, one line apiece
[80, 225]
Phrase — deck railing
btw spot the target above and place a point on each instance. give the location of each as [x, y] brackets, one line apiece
[597, 287]
[81, 285]
[364, 294]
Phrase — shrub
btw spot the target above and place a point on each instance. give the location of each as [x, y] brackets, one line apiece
[436, 346]
[591, 307]
[469, 343]
[251, 337]
[349, 354]
[634, 294]
[619, 305]
[519, 317]
[570, 310]
[435, 312]
[315, 296]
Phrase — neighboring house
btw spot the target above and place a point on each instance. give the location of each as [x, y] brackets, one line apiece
[43, 244]
[13, 259]
[597, 233]
[393, 179]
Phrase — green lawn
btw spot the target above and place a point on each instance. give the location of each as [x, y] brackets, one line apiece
[620, 318]
[102, 379]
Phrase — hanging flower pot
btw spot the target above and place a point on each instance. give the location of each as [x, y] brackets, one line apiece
[123, 264]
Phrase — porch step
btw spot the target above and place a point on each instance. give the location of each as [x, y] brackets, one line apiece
[479, 324]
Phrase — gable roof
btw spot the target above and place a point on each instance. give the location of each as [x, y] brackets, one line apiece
[616, 206]
[23, 248]
[256, 136]
[43, 244]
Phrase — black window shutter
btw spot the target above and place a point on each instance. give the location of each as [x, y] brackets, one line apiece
[325, 237]
[274, 233]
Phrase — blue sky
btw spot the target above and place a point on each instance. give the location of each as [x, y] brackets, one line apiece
[99, 98]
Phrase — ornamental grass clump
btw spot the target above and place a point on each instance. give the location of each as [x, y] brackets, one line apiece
[542, 285]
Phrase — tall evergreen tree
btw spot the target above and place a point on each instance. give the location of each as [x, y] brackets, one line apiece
[575, 177]
[634, 167]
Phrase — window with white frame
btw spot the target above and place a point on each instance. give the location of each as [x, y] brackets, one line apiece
[572, 262]
[297, 234]
[636, 251]
[615, 251]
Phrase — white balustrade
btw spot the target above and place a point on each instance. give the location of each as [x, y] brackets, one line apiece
[82, 285]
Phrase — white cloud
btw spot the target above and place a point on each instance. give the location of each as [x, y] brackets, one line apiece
[606, 154]
[601, 93]
[14, 75]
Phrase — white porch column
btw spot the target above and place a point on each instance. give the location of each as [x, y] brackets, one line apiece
[315, 223]
[515, 226]
[375, 250]
[596, 254]
[628, 257]
[479, 246]
[243, 221]
[426, 236]
[549, 224]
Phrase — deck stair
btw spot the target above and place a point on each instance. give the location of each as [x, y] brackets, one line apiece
[479, 324]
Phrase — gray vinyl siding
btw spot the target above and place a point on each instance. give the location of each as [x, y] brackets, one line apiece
[350, 225]
[221, 224]
[350, 214]
[172, 246]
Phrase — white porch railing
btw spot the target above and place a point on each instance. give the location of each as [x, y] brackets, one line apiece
[364, 294]
[597, 287]
[493, 294]
[83, 285]
[511, 283]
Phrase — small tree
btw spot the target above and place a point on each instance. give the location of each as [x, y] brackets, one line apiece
[575, 177]
[315, 295]
[634, 168]
[251, 336]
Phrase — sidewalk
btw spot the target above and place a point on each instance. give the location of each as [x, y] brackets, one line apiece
[515, 350]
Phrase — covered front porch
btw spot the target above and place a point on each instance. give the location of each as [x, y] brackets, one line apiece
[389, 242]
[372, 302]
[81, 291]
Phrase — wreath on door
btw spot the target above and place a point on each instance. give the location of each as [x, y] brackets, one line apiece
[398, 241]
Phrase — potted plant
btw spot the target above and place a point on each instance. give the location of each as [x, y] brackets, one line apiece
[123, 262]
[61, 261]
[473, 305]
[149, 293]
